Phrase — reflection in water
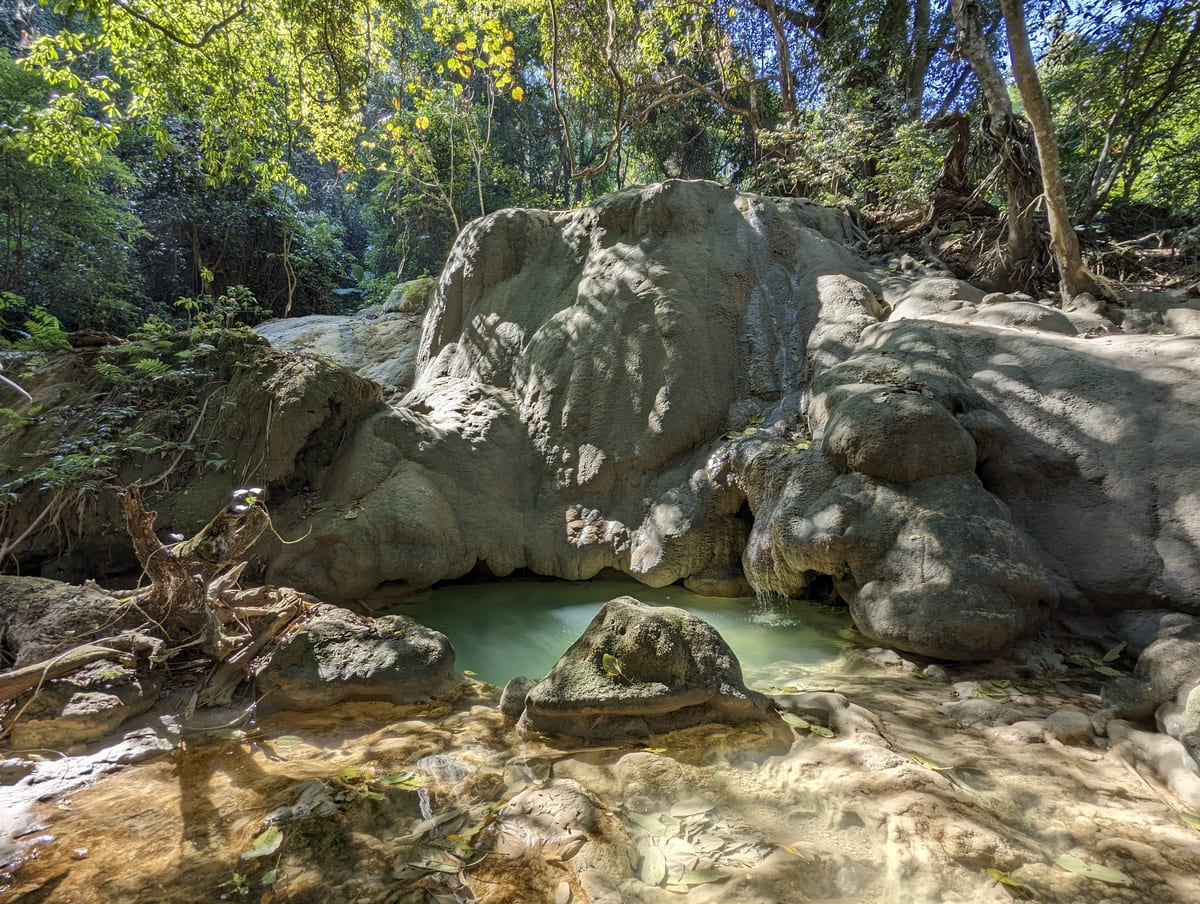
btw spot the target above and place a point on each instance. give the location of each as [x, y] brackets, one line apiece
[509, 628]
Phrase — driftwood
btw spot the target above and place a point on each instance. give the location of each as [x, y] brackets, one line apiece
[288, 603]
[181, 594]
[121, 648]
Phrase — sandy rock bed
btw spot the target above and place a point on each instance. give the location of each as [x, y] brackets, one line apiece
[887, 783]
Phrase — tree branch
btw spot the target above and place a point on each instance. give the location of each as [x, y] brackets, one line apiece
[170, 33]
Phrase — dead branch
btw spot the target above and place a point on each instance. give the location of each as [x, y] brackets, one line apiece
[121, 648]
[235, 669]
[181, 593]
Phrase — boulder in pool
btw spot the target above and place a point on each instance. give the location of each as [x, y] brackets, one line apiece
[339, 656]
[639, 670]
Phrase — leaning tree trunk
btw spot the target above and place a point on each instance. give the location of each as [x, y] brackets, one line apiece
[1073, 276]
[954, 195]
[1010, 137]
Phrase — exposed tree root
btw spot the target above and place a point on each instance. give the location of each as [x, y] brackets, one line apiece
[193, 601]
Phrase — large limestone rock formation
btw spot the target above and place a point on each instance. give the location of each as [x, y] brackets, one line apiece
[681, 382]
[577, 373]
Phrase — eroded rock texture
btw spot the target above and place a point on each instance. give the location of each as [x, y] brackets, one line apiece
[680, 382]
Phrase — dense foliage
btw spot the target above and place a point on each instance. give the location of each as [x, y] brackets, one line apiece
[315, 152]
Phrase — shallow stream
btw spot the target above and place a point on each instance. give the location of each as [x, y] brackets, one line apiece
[895, 799]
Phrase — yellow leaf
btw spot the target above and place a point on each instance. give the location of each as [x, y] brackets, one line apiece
[518, 94]
[465, 71]
[461, 47]
[423, 123]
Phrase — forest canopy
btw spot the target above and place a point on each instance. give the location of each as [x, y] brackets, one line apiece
[304, 156]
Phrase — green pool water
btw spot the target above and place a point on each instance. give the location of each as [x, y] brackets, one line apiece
[502, 629]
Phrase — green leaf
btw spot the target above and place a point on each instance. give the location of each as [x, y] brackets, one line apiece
[796, 722]
[821, 731]
[1004, 878]
[611, 665]
[928, 763]
[404, 779]
[700, 876]
[264, 844]
[288, 740]
[350, 773]
[1191, 819]
[1092, 870]
[1115, 653]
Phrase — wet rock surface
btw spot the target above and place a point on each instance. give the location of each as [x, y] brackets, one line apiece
[889, 801]
[640, 670]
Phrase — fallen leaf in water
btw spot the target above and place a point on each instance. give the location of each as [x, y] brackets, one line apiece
[691, 807]
[1004, 878]
[264, 844]
[699, 877]
[792, 850]
[288, 740]
[653, 869]
[1092, 870]
[927, 763]
[1191, 819]
[404, 779]
[648, 823]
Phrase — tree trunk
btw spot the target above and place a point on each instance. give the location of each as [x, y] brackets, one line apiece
[1073, 276]
[783, 59]
[1005, 131]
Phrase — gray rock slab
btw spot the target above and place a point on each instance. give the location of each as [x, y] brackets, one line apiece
[337, 656]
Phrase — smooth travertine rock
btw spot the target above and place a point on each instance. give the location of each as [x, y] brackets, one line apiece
[684, 383]
[378, 345]
[82, 707]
